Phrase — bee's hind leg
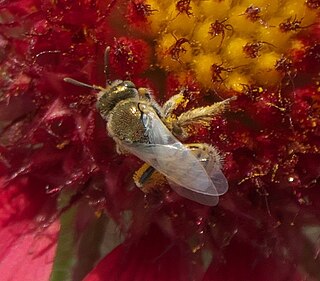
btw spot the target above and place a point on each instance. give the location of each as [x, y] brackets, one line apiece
[200, 115]
[207, 154]
[212, 161]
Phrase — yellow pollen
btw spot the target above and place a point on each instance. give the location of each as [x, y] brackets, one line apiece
[215, 32]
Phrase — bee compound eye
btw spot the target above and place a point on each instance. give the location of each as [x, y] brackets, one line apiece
[129, 84]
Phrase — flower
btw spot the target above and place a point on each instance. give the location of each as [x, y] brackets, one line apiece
[27, 249]
[60, 170]
[146, 260]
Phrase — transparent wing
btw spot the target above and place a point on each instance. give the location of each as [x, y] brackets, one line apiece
[204, 199]
[213, 170]
[170, 157]
[177, 164]
[210, 159]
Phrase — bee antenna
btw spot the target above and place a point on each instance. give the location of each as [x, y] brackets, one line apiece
[81, 84]
[106, 64]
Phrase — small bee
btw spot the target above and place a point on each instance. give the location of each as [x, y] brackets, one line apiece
[140, 126]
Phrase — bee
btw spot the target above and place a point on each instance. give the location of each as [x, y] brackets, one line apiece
[140, 126]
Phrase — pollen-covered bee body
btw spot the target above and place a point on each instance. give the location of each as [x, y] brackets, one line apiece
[121, 105]
[125, 122]
[141, 127]
[113, 94]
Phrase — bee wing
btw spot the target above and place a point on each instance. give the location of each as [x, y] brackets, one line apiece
[204, 199]
[209, 157]
[177, 164]
[170, 157]
[219, 180]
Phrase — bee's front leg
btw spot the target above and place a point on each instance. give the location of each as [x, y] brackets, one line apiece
[120, 149]
[170, 119]
[171, 104]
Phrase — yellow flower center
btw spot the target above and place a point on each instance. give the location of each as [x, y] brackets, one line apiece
[226, 44]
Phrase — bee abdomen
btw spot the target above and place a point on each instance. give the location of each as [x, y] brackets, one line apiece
[125, 123]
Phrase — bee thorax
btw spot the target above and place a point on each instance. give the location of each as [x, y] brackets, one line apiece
[110, 98]
[125, 122]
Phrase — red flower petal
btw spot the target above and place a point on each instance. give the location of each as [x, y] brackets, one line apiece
[245, 263]
[27, 252]
[152, 257]
[129, 56]
[27, 248]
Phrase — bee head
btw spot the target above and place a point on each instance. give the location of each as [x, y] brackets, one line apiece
[119, 90]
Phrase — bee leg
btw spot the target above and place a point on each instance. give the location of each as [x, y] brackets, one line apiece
[120, 150]
[171, 104]
[178, 131]
[207, 154]
[204, 113]
[201, 116]
[212, 161]
[170, 119]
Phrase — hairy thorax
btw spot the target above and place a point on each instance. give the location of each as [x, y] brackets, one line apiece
[125, 122]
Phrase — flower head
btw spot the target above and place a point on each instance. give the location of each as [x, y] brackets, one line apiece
[58, 163]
